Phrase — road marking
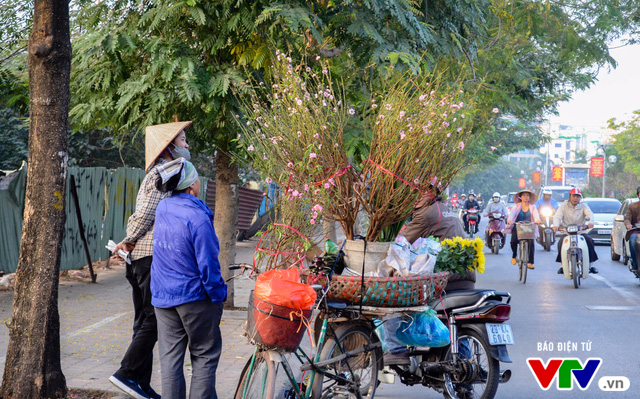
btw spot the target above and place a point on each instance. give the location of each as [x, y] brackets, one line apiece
[626, 294]
[96, 325]
[627, 308]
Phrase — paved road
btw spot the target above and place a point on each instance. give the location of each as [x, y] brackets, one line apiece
[96, 326]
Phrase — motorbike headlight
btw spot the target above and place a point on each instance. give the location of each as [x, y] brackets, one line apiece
[572, 229]
[547, 212]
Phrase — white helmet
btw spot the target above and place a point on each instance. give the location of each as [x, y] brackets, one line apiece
[546, 191]
[496, 194]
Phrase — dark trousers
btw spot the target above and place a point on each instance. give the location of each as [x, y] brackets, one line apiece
[593, 256]
[514, 246]
[196, 325]
[138, 360]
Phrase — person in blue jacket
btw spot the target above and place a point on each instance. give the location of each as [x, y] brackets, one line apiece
[187, 288]
[545, 202]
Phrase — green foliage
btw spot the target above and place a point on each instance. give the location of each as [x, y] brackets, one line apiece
[14, 135]
[627, 143]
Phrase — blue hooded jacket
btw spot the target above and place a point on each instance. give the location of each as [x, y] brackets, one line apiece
[185, 265]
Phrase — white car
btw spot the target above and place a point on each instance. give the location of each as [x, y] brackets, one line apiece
[604, 210]
[618, 249]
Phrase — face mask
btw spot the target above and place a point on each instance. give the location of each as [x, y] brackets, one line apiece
[496, 199]
[179, 152]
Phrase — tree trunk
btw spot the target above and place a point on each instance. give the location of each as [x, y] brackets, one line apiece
[32, 368]
[226, 217]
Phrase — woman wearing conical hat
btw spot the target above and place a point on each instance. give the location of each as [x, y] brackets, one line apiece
[163, 143]
[524, 211]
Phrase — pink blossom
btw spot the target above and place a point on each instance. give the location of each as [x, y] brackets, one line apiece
[290, 164]
[448, 134]
[299, 133]
[401, 113]
[352, 111]
[250, 148]
[493, 148]
[459, 130]
[318, 58]
[325, 71]
[381, 116]
[306, 187]
[295, 193]
[312, 221]
[461, 145]
[445, 123]
[495, 110]
[402, 135]
[416, 181]
[268, 180]
[374, 106]
[314, 214]
[388, 107]
[299, 102]
[317, 207]
[312, 155]
[327, 185]
[316, 135]
[316, 191]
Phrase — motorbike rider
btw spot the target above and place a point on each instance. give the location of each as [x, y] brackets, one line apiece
[431, 218]
[471, 203]
[480, 201]
[631, 218]
[463, 200]
[574, 212]
[523, 211]
[495, 205]
[454, 201]
[546, 202]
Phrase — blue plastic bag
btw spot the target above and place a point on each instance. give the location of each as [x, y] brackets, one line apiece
[423, 329]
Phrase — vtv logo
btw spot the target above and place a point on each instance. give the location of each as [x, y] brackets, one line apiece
[566, 369]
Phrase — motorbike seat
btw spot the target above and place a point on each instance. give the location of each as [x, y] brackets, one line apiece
[458, 299]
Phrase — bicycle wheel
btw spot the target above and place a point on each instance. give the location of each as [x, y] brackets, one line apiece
[362, 368]
[524, 259]
[260, 382]
[473, 347]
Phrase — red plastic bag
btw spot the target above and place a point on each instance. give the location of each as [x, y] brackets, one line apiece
[282, 287]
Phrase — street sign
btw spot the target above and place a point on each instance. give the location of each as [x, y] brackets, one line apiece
[556, 173]
[597, 166]
[522, 182]
[536, 178]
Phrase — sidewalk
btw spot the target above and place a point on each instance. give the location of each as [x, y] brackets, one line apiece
[95, 330]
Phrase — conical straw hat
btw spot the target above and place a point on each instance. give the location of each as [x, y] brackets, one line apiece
[158, 137]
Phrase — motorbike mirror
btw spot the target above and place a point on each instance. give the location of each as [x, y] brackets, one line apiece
[619, 218]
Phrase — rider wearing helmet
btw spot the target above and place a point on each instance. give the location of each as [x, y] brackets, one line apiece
[631, 218]
[463, 199]
[495, 205]
[471, 203]
[546, 202]
[574, 212]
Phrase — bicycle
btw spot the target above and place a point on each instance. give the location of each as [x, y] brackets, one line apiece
[348, 356]
[526, 233]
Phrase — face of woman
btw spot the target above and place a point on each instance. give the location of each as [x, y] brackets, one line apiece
[195, 187]
[525, 197]
[181, 140]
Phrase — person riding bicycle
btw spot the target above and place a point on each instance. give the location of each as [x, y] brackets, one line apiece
[495, 205]
[631, 218]
[523, 211]
[471, 203]
[575, 212]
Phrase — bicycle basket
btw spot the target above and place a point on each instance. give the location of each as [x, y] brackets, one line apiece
[273, 325]
[526, 231]
[398, 291]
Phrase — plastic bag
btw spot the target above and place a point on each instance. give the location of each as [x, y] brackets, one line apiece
[423, 329]
[282, 287]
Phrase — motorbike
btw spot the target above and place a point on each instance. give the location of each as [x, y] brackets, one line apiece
[472, 219]
[575, 254]
[627, 245]
[471, 367]
[494, 234]
[548, 236]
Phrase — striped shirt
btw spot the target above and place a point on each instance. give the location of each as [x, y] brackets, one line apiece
[140, 224]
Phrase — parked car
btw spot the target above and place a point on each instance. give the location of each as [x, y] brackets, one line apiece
[604, 210]
[558, 193]
[619, 231]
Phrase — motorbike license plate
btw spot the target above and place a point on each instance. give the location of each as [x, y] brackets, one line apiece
[604, 232]
[499, 334]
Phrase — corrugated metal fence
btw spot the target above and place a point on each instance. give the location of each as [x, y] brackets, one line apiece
[107, 198]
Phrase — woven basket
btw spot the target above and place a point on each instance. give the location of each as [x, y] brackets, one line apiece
[526, 231]
[397, 291]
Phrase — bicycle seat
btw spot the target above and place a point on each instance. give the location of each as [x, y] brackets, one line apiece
[458, 299]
